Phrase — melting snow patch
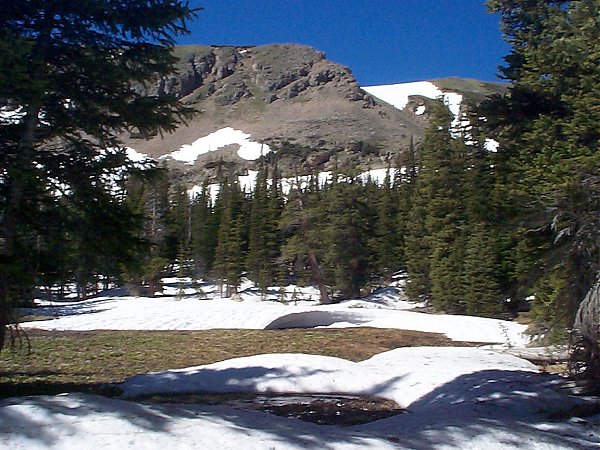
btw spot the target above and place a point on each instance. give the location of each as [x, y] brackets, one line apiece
[11, 116]
[398, 94]
[248, 150]
[136, 156]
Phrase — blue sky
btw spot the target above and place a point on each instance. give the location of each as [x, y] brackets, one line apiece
[382, 41]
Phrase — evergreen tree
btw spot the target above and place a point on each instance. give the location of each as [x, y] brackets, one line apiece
[71, 70]
[484, 233]
[449, 211]
[263, 236]
[204, 226]
[177, 239]
[387, 242]
[344, 246]
[430, 212]
[404, 186]
[479, 278]
[276, 204]
[257, 262]
[229, 254]
[300, 225]
[148, 198]
[548, 130]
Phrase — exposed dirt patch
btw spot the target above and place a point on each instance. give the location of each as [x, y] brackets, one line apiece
[331, 409]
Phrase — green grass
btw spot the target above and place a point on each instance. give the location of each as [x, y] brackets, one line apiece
[87, 361]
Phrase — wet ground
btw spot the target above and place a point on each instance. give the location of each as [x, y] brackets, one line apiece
[344, 410]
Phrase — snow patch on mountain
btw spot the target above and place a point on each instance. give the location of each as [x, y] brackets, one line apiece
[398, 95]
[248, 149]
[134, 156]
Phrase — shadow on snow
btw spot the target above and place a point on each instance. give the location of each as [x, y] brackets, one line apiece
[513, 406]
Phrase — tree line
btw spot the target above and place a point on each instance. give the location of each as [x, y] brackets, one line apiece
[431, 217]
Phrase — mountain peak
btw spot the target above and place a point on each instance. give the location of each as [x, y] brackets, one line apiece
[285, 95]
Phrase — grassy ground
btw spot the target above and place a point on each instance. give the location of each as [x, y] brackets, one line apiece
[87, 361]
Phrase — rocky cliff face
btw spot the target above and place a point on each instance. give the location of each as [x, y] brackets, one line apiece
[269, 73]
[281, 95]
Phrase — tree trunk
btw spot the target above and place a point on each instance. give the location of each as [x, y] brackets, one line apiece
[585, 350]
[16, 179]
[317, 275]
[315, 267]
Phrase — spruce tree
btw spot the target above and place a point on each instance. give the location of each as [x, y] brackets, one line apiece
[263, 236]
[449, 210]
[404, 185]
[429, 209]
[344, 246]
[73, 74]
[387, 238]
[229, 254]
[479, 277]
[275, 242]
[300, 224]
[203, 232]
[177, 239]
[548, 132]
[257, 261]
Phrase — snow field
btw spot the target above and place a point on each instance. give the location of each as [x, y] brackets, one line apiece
[456, 397]
[248, 150]
[398, 95]
[386, 309]
[404, 375]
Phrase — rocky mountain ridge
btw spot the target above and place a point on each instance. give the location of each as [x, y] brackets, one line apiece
[290, 99]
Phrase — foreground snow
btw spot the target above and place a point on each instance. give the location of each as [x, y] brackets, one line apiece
[404, 375]
[463, 398]
[456, 397]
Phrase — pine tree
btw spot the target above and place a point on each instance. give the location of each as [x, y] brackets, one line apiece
[449, 210]
[299, 223]
[177, 239]
[203, 232]
[387, 243]
[479, 278]
[344, 246]
[430, 212]
[257, 261]
[264, 237]
[73, 73]
[548, 132]
[404, 186]
[275, 242]
[229, 254]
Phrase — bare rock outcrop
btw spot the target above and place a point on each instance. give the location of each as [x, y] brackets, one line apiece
[281, 93]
